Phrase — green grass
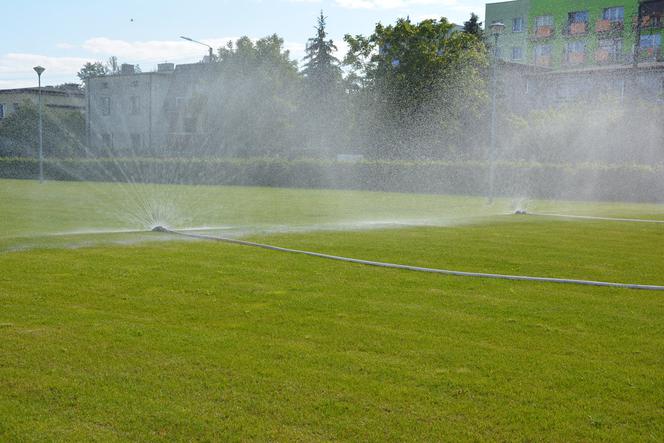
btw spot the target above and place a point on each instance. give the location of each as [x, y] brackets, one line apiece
[172, 340]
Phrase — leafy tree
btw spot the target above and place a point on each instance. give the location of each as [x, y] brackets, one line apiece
[252, 106]
[423, 85]
[64, 132]
[473, 25]
[95, 69]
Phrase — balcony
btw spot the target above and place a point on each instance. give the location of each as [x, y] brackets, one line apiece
[604, 56]
[608, 26]
[576, 28]
[542, 32]
[575, 58]
[653, 21]
[651, 54]
[543, 60]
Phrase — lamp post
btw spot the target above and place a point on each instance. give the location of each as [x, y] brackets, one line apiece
[496, 29]
[210, 48]
[39, 70]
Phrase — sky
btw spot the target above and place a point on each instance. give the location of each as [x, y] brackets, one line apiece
[61, 35]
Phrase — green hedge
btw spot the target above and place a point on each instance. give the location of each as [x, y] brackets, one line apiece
[534, 180]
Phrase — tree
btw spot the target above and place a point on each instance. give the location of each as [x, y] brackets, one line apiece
[112, 65]
[253, 101]
[321, 65]
[323, 104]
[95, 69]
[424, 87]
[64, 132]
[473, 26]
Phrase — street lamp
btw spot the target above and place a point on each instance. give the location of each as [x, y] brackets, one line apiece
[39, 70]
[211, 49]
[496, 29]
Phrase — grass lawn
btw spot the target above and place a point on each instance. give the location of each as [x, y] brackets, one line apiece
[187, 340]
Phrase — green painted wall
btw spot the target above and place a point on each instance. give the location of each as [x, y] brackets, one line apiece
[560, 9]
[506, 12]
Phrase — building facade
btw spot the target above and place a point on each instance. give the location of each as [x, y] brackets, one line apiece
[62, 98]
[147, 113]
[568, 34]
[513, 43]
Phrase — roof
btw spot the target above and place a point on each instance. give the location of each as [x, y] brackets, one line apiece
[47, 90]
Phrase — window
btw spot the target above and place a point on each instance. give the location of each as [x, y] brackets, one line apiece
[105, 105]
[544, 21]
[576, 52]
[517, 24]
[517, 53]
[498, 52]
[135, 141]
[189, 124]
[543, 50]
[578, 17]
[135, 105]
[107, 140]
[610, 50]
[616, 14]
[651, 41]
[543, 55]
[2, 111]
[104, 85]
[576, 47]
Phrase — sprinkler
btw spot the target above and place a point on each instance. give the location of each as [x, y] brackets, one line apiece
[520, 212]
[159, 229]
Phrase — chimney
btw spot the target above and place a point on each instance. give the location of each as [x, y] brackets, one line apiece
[127, 69]
[165, 67]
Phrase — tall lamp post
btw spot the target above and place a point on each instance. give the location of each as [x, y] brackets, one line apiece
[210, 48]
[496, 29]
[39, 70]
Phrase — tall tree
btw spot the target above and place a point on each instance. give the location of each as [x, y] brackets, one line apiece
[322, 108]
[95, 69]
[252, 103]
[424, 86]
[473, 25]
[321, 65]
[112, 65]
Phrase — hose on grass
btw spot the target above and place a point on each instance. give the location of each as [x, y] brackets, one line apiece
[592, 217]
[413, 268]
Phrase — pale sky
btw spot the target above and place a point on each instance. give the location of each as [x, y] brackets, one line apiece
[61, 35]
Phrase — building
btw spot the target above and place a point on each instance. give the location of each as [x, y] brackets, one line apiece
[564, 34]
[147, 113]
[513, 43]
[63, 98]
[589, 84]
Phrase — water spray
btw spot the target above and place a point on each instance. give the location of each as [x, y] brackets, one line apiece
[162, 229]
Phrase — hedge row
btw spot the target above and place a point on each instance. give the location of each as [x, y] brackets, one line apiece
[579, 182]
